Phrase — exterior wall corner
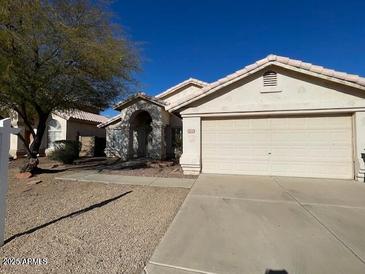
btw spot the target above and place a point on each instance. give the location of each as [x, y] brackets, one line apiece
[359, 137]
[190, 160]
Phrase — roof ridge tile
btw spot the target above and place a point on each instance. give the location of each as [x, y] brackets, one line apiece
[329, 73]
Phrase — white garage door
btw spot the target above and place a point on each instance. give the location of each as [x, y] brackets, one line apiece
[296, 146]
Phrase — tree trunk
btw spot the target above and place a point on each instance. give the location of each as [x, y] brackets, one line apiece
[32, 164]
[25, 143]
[41, 129]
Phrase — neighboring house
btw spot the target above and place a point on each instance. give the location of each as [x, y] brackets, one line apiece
[60, 126]
[278, 116]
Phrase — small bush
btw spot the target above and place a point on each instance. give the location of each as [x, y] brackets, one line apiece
[66, 151]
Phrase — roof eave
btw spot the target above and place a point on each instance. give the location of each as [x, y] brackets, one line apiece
[232, 78]
[110, 121]
[121, 105]
[181, 85]
[83, 121]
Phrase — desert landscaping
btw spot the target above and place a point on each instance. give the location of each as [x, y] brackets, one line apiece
[182, 137]
[84, 227]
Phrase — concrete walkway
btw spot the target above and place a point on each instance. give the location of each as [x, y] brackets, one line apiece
[96, 177]
[252, 224]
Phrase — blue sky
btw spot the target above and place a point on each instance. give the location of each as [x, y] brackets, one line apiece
[207, 39]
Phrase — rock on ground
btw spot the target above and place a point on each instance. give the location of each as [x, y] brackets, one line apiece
[44, 221]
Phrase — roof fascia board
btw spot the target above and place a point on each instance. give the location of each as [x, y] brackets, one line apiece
[190, 81]
[274, 112]
[275, 63]
[110, 121]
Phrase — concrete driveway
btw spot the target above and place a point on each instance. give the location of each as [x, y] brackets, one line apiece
[254, 224]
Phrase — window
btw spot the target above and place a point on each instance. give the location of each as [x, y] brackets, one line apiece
[270, 79]
[54, 132]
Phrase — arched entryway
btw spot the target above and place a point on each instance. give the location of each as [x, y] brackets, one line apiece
[140, 134]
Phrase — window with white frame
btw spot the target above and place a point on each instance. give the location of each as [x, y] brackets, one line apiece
[54, 132]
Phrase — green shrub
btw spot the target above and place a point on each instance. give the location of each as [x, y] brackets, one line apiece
[66, 151]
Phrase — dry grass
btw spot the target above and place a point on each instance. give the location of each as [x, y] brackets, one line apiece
[85, 227]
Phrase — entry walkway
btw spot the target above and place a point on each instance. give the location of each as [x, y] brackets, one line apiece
[257, 225]
[96, 177]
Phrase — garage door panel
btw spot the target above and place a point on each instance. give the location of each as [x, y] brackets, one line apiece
[302, 169]
[318, 155]
[231, 155]
[292, 146]
[246, 167]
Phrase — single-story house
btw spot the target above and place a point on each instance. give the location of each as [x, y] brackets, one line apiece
[68, 125]
[278, 116]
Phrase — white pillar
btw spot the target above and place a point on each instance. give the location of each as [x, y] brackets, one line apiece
[359, 132]
[190, 160]
[5, 131]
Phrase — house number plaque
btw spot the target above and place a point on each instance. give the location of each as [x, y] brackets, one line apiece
[191, 130]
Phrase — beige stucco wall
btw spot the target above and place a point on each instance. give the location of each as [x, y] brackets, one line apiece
[296, 94]
[76, 128]
[13, 145]
[359, 144]
[181, 93]
[190, 160]
[13, 138]
[69, 131]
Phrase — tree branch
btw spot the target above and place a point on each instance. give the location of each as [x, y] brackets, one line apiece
[25, 120]
[30, 127]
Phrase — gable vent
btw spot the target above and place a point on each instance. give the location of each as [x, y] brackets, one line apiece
[270, 79]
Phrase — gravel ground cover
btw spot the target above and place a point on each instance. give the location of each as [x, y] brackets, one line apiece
[140, 167]
[113, 166]
[84, 227]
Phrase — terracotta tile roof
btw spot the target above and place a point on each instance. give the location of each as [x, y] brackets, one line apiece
[180, 85]
[109, 121]
[82, 115]
[328, 74]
